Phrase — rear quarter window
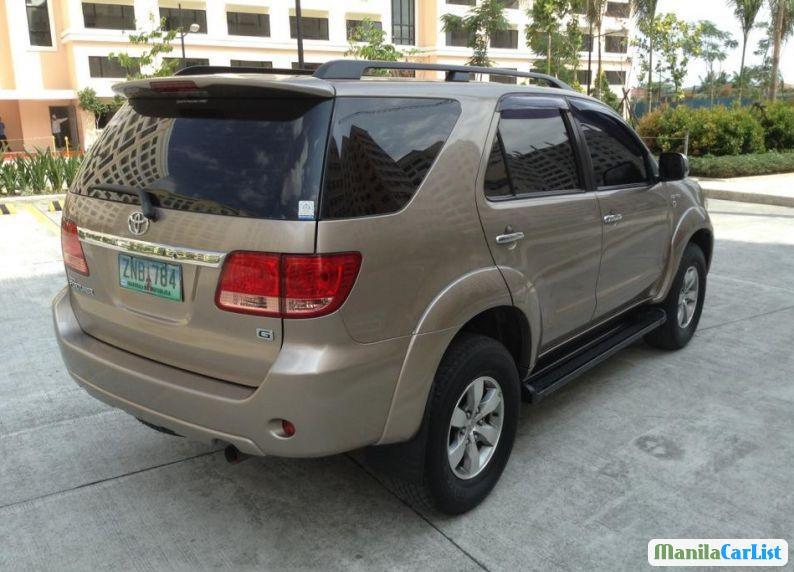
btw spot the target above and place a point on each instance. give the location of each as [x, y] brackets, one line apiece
[380, 151]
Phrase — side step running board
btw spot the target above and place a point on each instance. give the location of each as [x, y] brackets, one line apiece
[555, 370]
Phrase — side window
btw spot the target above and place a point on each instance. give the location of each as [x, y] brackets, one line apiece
[532, 153]
[617, 156]
[380, 150]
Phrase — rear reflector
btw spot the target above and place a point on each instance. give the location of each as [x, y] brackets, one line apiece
[286, 285]
[73, 256]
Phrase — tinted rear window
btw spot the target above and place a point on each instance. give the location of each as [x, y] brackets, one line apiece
[258, 158]
[380, 151]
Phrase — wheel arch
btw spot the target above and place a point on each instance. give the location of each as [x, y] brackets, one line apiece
[478, 302]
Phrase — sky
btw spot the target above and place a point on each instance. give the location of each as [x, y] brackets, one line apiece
[722, 15]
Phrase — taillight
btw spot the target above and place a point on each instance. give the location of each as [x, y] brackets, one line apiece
[286, 285]
[250, 284]
[72, 250]
[317, 285]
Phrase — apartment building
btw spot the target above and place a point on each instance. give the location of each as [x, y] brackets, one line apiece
[50, 49]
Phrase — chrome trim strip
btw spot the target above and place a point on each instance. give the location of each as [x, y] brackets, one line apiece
[153, 250]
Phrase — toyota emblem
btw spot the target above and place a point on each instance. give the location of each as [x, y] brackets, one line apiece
[138, 223]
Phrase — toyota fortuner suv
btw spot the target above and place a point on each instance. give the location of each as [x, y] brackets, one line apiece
[301, 264]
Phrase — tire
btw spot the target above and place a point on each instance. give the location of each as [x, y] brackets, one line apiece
[676, 332]
[471, 358]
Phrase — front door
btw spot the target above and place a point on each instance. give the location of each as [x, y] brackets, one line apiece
[539, 221]
[635, 210]
[63, 126]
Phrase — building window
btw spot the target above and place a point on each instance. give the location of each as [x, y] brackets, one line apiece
[616, 77]
[511, 4]
[505, 39]
[188, 62]
[313, 28]
[616, 44]
[248, 24]
[403, 22]
[580, 7]
[463, 2]
[587, 42]
[172, 19]
[511, 79]
[103, 66]
[252, 64]
[353, 24]
[458, 38]
[38, 23]
[306, 66]
[108, 16]
[583, 77]
[618, 10]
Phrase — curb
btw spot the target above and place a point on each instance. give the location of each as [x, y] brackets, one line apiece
[755, 198]
[33, 198]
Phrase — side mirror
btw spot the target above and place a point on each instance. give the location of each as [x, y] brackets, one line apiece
[673, 167]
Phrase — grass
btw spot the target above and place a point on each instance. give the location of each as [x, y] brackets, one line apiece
[770, 163]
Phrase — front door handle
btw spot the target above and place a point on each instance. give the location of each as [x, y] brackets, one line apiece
[613, 218]
[509, 238]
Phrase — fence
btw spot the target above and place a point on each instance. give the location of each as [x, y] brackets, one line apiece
[34, 144]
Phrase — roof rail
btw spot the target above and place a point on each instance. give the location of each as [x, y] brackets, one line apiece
[209, 70]
[354, 69]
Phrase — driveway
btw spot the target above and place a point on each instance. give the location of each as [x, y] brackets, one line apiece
[650, 444]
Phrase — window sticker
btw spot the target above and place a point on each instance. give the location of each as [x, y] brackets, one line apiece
[305, 210]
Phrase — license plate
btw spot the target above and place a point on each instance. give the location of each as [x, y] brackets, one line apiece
[150, 277]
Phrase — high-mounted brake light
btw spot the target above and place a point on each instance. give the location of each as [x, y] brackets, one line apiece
[172, 86]
[73, 255]
[286, 285]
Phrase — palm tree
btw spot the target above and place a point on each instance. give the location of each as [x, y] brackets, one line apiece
[783, 24]
[595, 16]
[644, 12]
[746, 12]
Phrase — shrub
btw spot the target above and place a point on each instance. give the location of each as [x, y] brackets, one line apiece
[742, 165]
[777, 119]
[716, 131]
[38, 173]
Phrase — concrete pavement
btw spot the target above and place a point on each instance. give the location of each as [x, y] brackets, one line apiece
[650, 444]
[775, 190]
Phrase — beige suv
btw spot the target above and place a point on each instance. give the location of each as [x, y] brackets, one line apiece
[300, 264]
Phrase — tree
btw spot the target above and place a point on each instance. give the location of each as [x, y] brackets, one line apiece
[644, 12]
[746, 12]
[545, 38]
[88, 101]
[157, 41]
[479, 24]
[595, 16]
[783, 25]
[607, 95]
[714, 44]
[677, 42]
[368, 42]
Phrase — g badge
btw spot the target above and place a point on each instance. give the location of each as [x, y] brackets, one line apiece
[265, 335]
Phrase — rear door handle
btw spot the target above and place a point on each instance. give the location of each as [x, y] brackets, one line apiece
[613, 218]
[509, 238]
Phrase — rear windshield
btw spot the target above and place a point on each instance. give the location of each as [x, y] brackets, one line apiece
[258, 158]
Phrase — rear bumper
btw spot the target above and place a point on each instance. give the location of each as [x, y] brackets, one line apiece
[338, 395]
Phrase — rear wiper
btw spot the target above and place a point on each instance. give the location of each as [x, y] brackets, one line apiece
[146, 202]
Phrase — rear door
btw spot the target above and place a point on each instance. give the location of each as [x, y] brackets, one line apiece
[224, 174]
[634, 208]
[537, 216]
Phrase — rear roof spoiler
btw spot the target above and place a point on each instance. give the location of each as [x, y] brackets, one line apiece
[227, 84]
